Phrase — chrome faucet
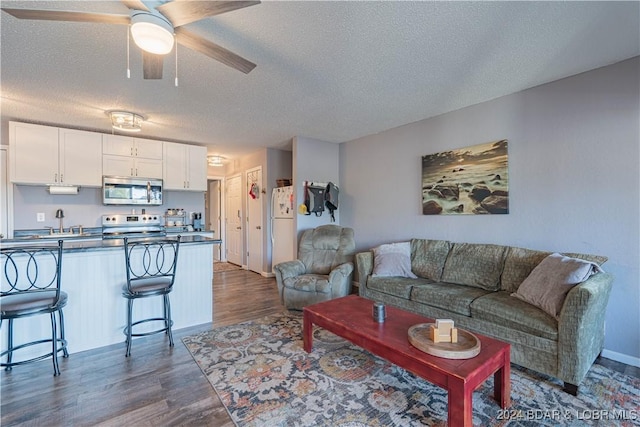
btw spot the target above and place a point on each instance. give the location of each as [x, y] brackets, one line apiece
[60, 215]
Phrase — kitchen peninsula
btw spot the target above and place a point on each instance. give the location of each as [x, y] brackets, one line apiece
[93, 272]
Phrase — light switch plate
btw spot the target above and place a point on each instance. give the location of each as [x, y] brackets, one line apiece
[40, 217]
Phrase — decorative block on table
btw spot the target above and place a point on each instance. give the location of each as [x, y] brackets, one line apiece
[443, 331]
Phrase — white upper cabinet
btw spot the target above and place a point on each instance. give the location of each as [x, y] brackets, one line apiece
[49, 155]
[148, 148]
[185, 167]
[120, 145]
[80, 157]
[127, 156]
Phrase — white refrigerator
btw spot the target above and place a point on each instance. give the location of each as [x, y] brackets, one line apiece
[282, 232]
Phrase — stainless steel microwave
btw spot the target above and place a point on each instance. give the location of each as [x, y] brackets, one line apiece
[118, 190]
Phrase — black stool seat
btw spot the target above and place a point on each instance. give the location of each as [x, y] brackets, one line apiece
[30, 287]
[151, 269]
[147, 287]
[28, 304]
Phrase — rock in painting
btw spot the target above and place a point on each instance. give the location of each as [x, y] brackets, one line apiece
[457, 209]
[496, 204]
[448, 191]
[436, 193]
[480, 192]
[431, 208]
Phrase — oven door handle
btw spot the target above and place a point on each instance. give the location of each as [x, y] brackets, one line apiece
[148, 191]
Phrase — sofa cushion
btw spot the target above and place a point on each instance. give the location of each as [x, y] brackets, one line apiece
[393, 259]
[396, 286]
[549, 283]
[520, 262]
[502, 309]
[309, 283]
[428, 257]
[448, 296]
[478, 265]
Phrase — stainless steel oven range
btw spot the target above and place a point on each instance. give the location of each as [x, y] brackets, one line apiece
[118, 226]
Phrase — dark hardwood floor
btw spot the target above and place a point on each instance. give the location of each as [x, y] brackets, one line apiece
[156, 386]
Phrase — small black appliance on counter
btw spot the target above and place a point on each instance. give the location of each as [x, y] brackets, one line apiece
[198, 222]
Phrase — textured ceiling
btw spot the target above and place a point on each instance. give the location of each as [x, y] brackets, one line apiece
[334, 71]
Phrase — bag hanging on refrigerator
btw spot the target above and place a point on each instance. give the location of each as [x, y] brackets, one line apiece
[331, 199]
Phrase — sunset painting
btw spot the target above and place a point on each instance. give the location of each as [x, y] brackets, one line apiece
[471, 180]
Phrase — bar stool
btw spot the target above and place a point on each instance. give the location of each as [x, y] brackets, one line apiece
[30, 287]
[151, 267]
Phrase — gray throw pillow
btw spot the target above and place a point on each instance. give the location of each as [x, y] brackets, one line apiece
[393, 260]
[549, 283]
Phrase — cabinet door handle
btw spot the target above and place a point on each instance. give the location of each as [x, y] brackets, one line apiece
[136, 171]
[132, 172]
[131, 151]
[55, 178]
[61, 178]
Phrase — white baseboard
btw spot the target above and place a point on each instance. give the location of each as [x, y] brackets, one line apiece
[622, 358]
[266, 274]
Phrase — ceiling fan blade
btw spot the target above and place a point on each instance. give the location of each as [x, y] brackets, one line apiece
[135, 5]
[185, 12]
[62, 15]
[151, 66]
[213, 50]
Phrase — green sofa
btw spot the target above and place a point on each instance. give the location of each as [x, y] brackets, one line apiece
[472, 284]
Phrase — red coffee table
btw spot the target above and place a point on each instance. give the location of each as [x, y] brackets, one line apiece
[351, 318]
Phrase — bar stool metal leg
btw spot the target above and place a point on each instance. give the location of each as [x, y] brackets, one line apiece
[9, 346]
[167, 318]
[129, 325]
[54, 344]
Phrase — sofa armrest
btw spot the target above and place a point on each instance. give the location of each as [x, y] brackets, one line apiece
[340, 279]
[364, 268]
[581, 327]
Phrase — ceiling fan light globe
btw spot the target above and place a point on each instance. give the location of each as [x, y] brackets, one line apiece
[152, 33]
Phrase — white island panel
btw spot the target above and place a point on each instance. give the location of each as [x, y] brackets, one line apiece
[95, 314]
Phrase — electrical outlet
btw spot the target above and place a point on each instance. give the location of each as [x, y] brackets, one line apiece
[40, 217]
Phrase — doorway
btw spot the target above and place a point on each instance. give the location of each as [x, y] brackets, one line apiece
[213, 210]
[255, 195]
[233, 227]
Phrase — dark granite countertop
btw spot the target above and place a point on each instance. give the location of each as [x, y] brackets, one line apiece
[90, 243]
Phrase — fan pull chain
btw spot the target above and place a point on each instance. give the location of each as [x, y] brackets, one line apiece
[128, 37]
[176, 49]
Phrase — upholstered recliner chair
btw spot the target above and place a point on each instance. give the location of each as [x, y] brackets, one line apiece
[323, 269]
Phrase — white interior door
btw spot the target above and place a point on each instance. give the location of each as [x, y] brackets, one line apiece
[213, 211]
[255, 226]
[234, 220]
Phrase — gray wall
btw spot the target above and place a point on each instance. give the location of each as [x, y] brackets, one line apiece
[314, 160]
[574, 181]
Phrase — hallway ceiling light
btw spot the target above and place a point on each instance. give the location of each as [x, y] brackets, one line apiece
[126, 121]
[215, 161]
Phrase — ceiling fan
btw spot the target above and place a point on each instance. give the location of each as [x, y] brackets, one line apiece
[153, 28]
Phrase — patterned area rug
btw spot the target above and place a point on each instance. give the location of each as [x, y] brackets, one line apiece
[265, 378]
[225, 266]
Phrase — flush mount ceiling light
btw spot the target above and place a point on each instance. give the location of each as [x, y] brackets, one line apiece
[215, 161]
[152, 32]
[126, 121]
